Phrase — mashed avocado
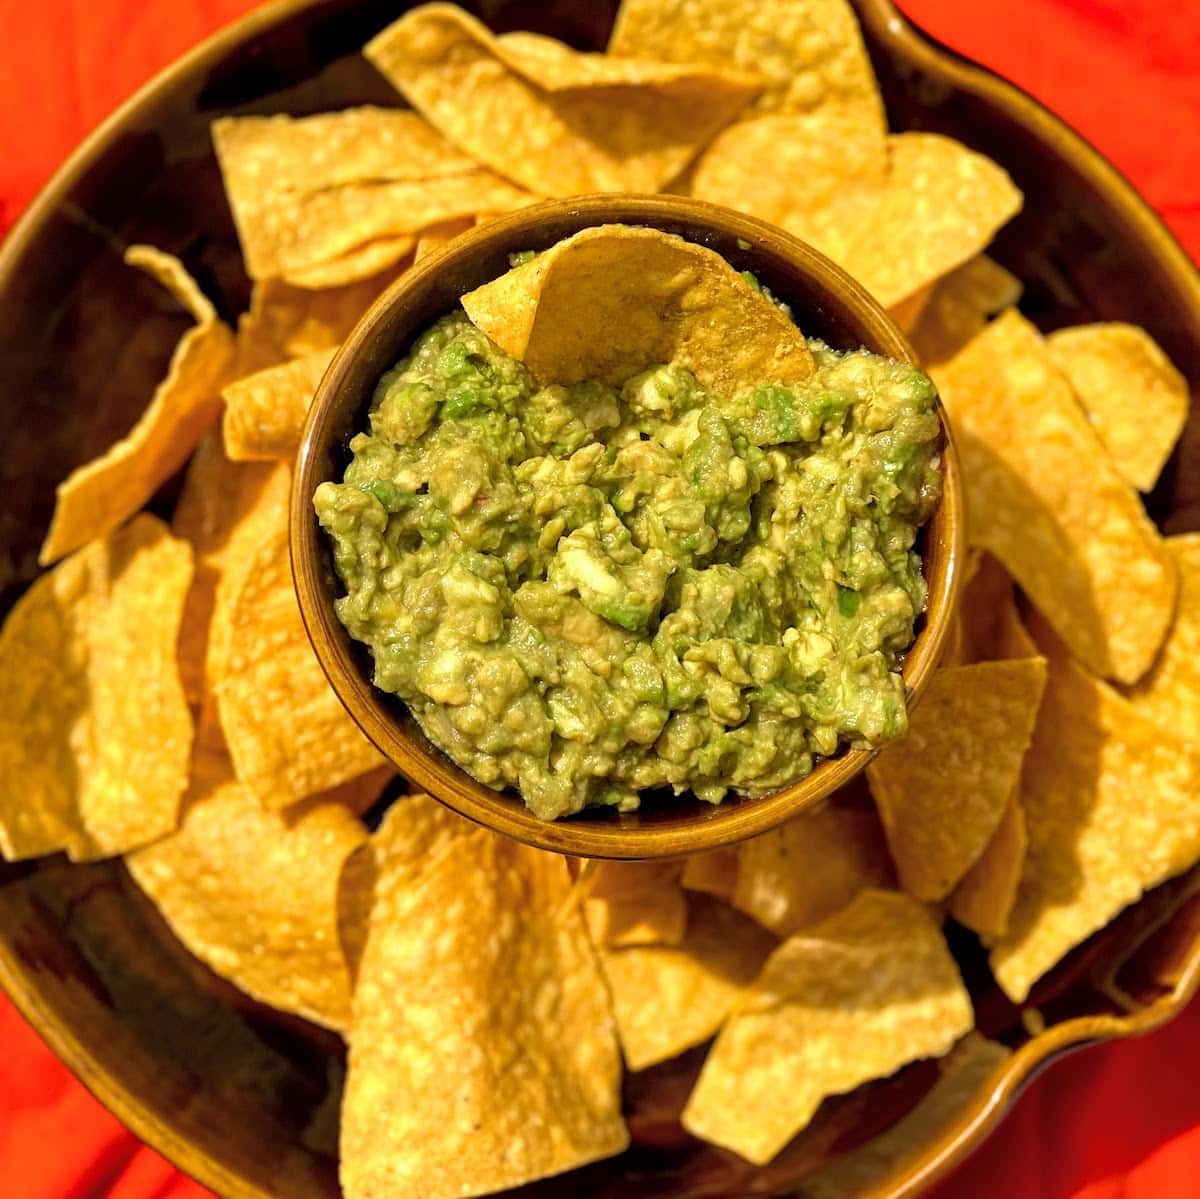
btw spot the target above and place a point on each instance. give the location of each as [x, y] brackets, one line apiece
[586, 592]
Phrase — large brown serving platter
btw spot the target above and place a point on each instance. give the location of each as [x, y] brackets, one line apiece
[246, 1099]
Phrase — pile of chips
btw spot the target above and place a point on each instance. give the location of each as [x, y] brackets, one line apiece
[162, 701]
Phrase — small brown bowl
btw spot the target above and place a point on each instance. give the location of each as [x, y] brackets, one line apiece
[827, 304]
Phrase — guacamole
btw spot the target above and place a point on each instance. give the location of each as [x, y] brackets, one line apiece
[587, 591]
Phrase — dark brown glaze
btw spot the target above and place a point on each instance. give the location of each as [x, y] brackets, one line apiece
[244, 1099]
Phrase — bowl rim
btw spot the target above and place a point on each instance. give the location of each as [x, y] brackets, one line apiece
[344, 386]
[989, 1104]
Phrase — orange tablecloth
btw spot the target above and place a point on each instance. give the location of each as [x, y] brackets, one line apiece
[1120, 1121]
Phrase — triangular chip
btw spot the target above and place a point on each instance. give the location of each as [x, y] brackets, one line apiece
[1170, 693]
[292, 322]
[810, 52]
[1044, 497]
[613, 300]
[555, 121]
[1136, 400]
[959, 306]
[985, 897]
[483, 1053]
[95, 732]
[254, 894]
[943, 789]
[287, 732]
[265, 413]
[988, 625]
[329, 199]
[216, 494]
[668, 998]
[967, 1077]
[1110, 806]
[811, 867]
[942, 206]
[843, 1002]
[94, 499]
[437, 236]
[635, 903]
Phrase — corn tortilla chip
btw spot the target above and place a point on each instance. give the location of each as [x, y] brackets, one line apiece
[96, 497]
[216, 493]
[988, 624]
[482, 1053]
[1044, 498]
[555, 121]
[713, 873]
[984, 898]
[256, 514]
[944, 788]
[848, 1000]
[811, 867]
[942, 206]
[1136, 400]
[636, 903]
[362, 262]
[292, 322]
[959, 306]
[287, 732]
[437, 236]
[1170, 693]
[657, 298]
[1110, 806]
[265, 413]
[966, 1075]
[254, 895]
[95, 732]
[816, 177]
[668, 998]
[810, 52]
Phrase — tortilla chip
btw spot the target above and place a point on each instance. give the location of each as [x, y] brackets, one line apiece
[96, 497]
[967, 1075]
[308, 190]
[818, 177]
[984, 898]
[810, 52]
[851, 999]
[811, 867]
[1170, 693]
[656, 298]
[254, 895]
[265, 413]
[942, 206]
[1110, 806]
[1044, 497]
[555, 121]
[908, 311]
[434, 238]
[287, 732]
[713, 873]
[292, 322]
[482, 1053]
[95, 732]
[636, 903]
[959, 306]
[216, 494]
[362, 262]
[944, 788]
[1136, 400]
[668, 998]
[988, 626]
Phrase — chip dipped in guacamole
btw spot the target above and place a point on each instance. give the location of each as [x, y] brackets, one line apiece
[655, 574]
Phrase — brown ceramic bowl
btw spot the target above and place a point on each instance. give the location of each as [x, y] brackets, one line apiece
[827, 304]
[246, 1100]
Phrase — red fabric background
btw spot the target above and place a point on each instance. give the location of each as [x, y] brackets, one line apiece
[1121, 1122]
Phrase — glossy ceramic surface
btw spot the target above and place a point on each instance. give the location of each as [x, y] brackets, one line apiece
[827, 304]
[246, 1099]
